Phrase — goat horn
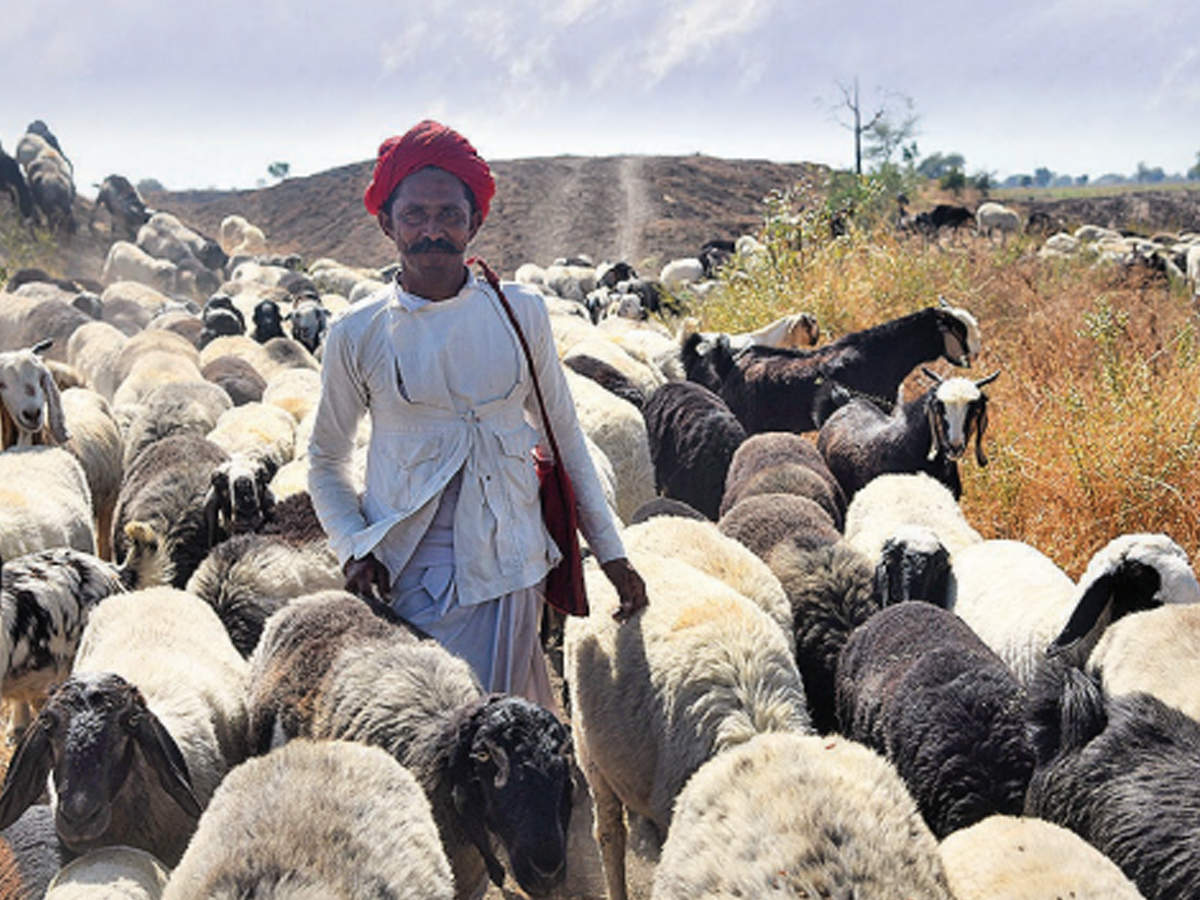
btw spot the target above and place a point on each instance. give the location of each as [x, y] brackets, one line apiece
[937, 379]
[983, 382]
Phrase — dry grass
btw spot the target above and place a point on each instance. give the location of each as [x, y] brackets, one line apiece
[1094, 421]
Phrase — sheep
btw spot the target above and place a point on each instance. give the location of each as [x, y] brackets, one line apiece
[238, 236]
[892, 501]
[44, 502]
[150, 371]
[787, 815]
[665, 506]
[762, 521]
[833, 589]
[238, 378]
[298, 645]
[53, 190]
[135, 749]
[174, 409]
[36, 313]
[30, 854]
[493, 767]
[217, 322]
[243, 347]
[928, 434]
[295, 391]
[165, 237]
[1154, 652]
[238, 499]
[309, 320]
[126, 210]
[571, 282]
[1021, 604]
[1123, 774]
[96, 442]
[700, 669]
[784, 478]
[315, 819]
[991, 217]
[31, 410]
[40, 129]
[693, 437]
[160, 529]
[779, 390]
[619, 430]
[147, 342]
[917, 685]
[1028, 859]
[647, 378]
[13, 183]
[531, 274]
[607, 376]
[261, 430]
[267, 321]
[248, 577]
[45, 598]
[760, 452]
[285, 353]
[111, 873]
[679, 274]
[129, 262]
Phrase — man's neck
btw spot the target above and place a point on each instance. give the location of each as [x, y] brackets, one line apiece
[434, 286]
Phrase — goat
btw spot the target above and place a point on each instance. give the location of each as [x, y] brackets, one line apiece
[30, 405]
[125, 206]
[13, 182]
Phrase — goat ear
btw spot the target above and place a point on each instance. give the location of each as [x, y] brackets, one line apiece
[42, 346]
[935, 432]
[980, 427]
[1087, 613]
[55, 418]
[164, 757]
[26, 775]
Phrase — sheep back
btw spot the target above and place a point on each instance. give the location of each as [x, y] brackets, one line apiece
[762, 521]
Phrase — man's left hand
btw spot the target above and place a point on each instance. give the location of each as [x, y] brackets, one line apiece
[631, 590]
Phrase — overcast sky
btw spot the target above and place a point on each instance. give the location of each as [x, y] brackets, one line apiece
[208, 94]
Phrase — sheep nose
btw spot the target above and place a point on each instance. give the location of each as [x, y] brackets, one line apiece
[31, 416]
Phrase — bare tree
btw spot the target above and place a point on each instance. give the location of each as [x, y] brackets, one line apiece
[885, 131]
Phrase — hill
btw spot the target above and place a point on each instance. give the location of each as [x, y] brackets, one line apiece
[607, 207]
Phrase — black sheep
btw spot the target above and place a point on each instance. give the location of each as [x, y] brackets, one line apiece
[268, 323]
[608, 377]
[1121, 772]
[693, 436]
[771, 389]
[126, 209]
[12, 181]
[916, 684]
[240, 380]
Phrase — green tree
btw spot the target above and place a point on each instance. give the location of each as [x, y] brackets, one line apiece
[279, 170]
[938, 164]
[1147, 175]
[982, 181]
[1042, 176]
[954, 181]
[1194, 172]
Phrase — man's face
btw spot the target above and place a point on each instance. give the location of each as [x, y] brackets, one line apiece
[431, 222]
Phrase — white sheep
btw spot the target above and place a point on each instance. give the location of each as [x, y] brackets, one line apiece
[700, 670]
[155, 671]
[1092, 233]
[890, 502]
[149, 372]
[258, 430]
[129, 262]
[570, 282]
[30, 405]
[992, 217]
[1020, 603]
[617, 427]
[44, 502]
[295, 391]
[110, 873]
[316, 819]
[92, 350]
[646, 378]
[530, 274]
[792, 816]
[1029, 859]
[681, 273]
[95, 440]
[152, 341]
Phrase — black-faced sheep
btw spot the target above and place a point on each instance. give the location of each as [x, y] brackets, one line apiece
[136, 750]
[701, 669]
[777, 390]
[891, 502]
[608, 377]
[126, 209]
[315, 819]
[762, 521]
[268, 323]
[929, 434]
[693, 436]
[791, 816]
[1123, 774]
[13, 183]
[495, 768]
[917, 685]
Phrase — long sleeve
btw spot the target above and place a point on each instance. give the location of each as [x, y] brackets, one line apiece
[343, 401]
[595, 517]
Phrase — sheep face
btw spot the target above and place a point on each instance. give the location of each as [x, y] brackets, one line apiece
[30, 397]
[513, 774]
[91, 735]
[267, 321]
[914, 565]
[308, 324]
[239, 499]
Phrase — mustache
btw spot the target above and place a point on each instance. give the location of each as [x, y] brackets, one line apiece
[428, 245]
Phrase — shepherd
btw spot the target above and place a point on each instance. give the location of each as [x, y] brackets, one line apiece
[449, 531]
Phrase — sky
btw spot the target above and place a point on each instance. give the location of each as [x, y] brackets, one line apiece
[208, 94]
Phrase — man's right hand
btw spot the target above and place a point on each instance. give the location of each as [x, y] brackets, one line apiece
[367, 577]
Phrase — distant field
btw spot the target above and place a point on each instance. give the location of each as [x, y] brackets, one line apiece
[1089, 191]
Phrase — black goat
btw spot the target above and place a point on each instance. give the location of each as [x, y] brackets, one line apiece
[126, 209]
[714, 254]
[13, 183]
[929, 434]
[778, 390]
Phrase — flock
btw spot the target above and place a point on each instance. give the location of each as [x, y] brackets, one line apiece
[839, 687]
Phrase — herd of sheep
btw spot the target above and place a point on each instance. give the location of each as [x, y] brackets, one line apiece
[839, 687]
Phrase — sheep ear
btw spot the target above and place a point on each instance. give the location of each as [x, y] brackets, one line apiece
[1087, 612]
[212, 510]
[54, 410]
[26, 776]
[164, 757]
[468, 797]
[499, 758]
[42, 346]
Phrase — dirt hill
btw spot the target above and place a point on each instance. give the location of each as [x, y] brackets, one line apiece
[612, 207]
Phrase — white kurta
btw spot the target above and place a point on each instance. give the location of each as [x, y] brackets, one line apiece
[448, 390]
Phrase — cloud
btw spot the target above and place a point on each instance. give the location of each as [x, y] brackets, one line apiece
[695, 28]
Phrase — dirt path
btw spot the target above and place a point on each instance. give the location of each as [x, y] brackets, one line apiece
[637, 208]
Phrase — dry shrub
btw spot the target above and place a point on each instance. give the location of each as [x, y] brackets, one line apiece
[1094, 421]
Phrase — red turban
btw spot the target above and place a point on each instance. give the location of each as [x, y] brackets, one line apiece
[429, 143]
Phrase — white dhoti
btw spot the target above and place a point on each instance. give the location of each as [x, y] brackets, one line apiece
[499, 638]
